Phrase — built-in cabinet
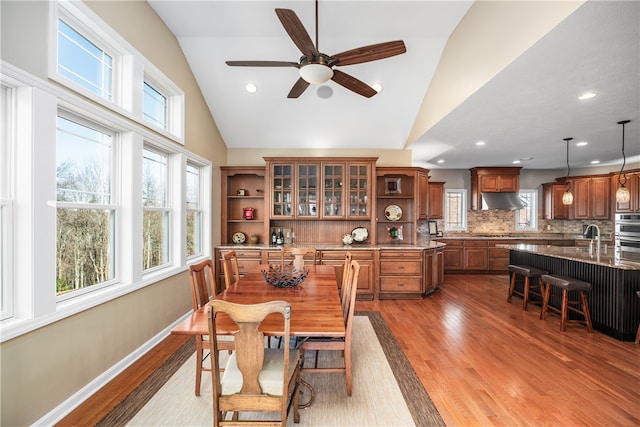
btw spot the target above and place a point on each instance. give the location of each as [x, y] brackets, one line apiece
[493, 180]
[553, 207]
[424, 201]
[367, 275]
[591, 197]
[632, 183]
[400, 274]
[247, 259]
[243, 191]
[436, 200]
[433, 269]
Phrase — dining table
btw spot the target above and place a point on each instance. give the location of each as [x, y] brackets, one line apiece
[315, 305]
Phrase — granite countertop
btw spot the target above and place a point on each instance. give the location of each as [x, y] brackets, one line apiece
[608, 258]
[420, 245]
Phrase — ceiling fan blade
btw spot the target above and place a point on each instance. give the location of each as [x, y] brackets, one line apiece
[353, 84]
[298, 88]
[297, 32]
[262, 64]
[369, 53]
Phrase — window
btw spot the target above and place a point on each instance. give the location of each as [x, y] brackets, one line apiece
[156, 215]
[6, 205]
[455, 210]
[81, 61]
[527, 218]
[194, 211]
[85, 211]
[155, 107]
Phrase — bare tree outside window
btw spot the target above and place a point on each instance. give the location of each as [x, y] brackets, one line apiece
[155, 226]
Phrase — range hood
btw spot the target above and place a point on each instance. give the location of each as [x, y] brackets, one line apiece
[502, 201]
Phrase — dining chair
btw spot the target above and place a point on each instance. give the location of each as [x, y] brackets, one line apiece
[230, 268]
[298, 255]
[338, 344]
[345, 276]
[255, 378]
[201, 277]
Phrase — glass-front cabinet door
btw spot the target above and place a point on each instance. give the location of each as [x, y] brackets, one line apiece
[333, 176]
[307, 190]
[358, 190]
[282, 190]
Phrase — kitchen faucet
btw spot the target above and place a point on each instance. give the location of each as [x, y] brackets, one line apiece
[586, 230]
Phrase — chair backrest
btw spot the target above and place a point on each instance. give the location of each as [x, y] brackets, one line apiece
[230, 268]
[345, 276]
[249, 356]
[298, 255]
[202, 283]
[352, 285]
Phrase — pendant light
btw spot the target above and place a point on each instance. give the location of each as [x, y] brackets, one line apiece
[567, 197]
[622, 194]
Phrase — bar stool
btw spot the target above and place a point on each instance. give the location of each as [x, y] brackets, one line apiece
[638, 333]
[528, 273]
[566, 284]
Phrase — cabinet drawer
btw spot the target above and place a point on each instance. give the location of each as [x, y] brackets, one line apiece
[400, 284]
[242, 253]
[498, 252]
[475, 243]
[244, 265]
[399, 267]
[339, 255]
[400, 254]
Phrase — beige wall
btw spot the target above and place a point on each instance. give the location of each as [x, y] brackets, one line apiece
[42, 369]
[254, 157]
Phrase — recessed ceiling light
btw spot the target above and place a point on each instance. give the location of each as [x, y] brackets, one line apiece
[377, 87]
[526, 159]
[587, 95]
[581, 143]
[441, 161]
[595, 162]
[480, 143]
[516, 162]
[251, 88]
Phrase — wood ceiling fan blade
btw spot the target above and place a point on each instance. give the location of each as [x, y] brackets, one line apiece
[369, 53]
[353, 84]
[262, 64]
[293, 26]
[298, 88]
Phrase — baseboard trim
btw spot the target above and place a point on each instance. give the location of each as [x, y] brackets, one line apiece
[91, 388]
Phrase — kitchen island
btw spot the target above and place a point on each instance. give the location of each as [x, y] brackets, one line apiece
[614, 306]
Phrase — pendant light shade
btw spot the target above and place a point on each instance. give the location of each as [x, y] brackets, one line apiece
[622, 194]
[567, 197]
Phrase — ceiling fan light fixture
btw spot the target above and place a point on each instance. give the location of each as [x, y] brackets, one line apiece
[622, 193]
[377, 87]
[316, 73]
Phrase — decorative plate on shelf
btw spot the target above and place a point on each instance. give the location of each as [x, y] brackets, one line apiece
[393, 212]
[238, 238]
[359, 234]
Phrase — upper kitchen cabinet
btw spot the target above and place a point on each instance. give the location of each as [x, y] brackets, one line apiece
[423, 194]
[633, 185]
[553, 206]
[493, 180]
[322, 188]
[436, 200]
[397, 203]
[244, 212]
[591, 197]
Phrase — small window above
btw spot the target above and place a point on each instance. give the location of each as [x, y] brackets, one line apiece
[154, 108]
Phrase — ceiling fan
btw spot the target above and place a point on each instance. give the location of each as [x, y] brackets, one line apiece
[316, 67]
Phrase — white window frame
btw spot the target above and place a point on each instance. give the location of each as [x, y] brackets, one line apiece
[462, 214]
[130, 68]
[533, 211]
[197, 210]
[7, 147]
[38, 102]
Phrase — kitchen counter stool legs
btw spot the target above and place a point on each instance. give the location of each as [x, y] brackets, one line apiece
[528, 273]
[566, 284]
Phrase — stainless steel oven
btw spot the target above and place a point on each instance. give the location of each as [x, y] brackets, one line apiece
[627, 235]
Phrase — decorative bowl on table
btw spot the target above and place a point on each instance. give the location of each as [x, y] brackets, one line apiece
[284, 276]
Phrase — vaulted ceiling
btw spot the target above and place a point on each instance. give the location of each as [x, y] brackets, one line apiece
[522, 112]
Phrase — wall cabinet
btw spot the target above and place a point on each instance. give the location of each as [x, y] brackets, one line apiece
[400, 274]
[632, 183]
[493, 180]
[366, 278]
[325, 188]
[436, 200]
[552, 200]
[424, 201]
[591, 198]
[242, 188]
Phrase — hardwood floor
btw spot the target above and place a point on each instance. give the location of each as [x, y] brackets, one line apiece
[482, 360]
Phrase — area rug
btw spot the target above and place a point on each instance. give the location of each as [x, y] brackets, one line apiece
[386, 390]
